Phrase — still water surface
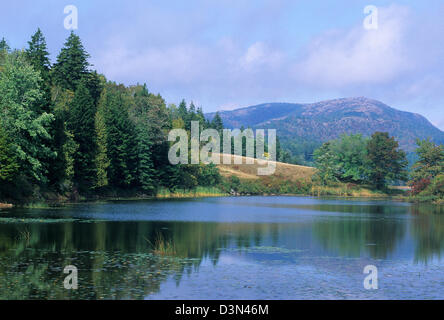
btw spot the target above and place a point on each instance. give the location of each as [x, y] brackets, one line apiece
[224, 248]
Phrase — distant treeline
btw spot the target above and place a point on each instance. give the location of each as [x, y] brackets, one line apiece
[378, 161]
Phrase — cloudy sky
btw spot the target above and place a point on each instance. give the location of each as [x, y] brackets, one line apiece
[225, 54]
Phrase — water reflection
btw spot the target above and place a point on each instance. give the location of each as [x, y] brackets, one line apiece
[116, 260]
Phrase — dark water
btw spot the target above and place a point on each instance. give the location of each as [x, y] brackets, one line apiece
[224, 248]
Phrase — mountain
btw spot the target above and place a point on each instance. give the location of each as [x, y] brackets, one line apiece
[318, 122]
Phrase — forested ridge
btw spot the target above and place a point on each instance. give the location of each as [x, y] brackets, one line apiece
[67, 130]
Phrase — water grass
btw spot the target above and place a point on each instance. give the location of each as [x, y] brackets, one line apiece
[346, 190]
[194, 193]
[24, 235]
[162, 246]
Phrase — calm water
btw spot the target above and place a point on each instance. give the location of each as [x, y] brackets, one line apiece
[225, 248]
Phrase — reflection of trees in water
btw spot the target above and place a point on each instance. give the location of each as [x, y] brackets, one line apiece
[114, 259]
[354, 236]
[428, 230]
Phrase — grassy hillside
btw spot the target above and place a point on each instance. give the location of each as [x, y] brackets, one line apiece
[287, 179]
[283, 171]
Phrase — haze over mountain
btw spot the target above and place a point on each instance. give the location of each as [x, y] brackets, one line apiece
[326, 120]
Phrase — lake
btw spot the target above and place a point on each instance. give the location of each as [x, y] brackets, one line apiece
[224, 248]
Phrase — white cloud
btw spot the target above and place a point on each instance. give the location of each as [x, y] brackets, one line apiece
[358, 56]
[258, 55]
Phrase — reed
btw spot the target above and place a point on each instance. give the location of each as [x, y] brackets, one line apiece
[162, 246]
[195, 193]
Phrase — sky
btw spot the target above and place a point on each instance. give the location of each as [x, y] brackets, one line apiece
[227, 54]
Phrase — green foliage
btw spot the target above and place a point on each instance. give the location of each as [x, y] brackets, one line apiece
[72, 64]
[325, 162]
[355, 159]
[81, 124]
[386, 161]
[38, 57]
[4, 46]
[209, 175]
[66, 129]
[427, 178]
[121, 137]
[217, 122]
[8, 161]
[343, 159]
[19, 92]
[102, 161]
[436, 187]
[430, 162]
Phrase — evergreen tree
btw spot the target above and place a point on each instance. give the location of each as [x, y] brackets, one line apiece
[38, 57]
[182, 110]
[8, 161]
[217, 122]
[4, 46]
[201, 118]
[81, 124]
[72, 64]
[121, 138]
[102, 161]
[145, 170]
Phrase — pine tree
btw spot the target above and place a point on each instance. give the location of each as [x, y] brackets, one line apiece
[38, 57]
[201, 118]
[217, 122]
[102, 161]
[81, 124]
[121, 138]
[182, 110]
[4, 45]
[72, 64]
[146, 172]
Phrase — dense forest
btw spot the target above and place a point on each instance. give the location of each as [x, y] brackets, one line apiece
[67, 130]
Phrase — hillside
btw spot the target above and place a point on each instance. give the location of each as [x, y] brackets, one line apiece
[326, 120]
[283, 171]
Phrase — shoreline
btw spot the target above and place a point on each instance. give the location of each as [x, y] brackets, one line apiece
[191, 195]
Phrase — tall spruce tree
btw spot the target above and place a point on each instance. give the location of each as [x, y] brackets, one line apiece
[121, 137]
[217, 122]
[38, 57]
[102, 161]
[81, 124]
[72, 64]
[4, 45]
[9, 166]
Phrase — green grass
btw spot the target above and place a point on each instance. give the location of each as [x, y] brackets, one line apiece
[162, 246]
[195, 193]
[346, 190]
